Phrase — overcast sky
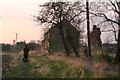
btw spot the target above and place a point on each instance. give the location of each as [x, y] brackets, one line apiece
[16, 17]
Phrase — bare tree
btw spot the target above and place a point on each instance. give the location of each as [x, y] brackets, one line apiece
[114, 7]
[54, 12]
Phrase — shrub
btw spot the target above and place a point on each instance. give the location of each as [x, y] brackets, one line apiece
[109, 49]
[105, 57]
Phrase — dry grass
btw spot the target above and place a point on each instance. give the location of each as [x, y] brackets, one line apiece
[44, 69]
[92, 65]
[98, 68]
[75, 62]
[33, 60]
[40, 66]
[101, 67]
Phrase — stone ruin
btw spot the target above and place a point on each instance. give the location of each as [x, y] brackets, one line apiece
[95, 37]
[53, 43]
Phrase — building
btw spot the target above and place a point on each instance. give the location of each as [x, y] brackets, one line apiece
[53, 41]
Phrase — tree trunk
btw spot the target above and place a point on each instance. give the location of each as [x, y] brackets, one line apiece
[117, 57]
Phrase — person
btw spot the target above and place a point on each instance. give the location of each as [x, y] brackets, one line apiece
[26, 53]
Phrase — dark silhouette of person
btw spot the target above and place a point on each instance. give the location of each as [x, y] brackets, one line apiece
[26, 53]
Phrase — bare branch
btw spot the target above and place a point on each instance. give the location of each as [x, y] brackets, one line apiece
[76, 15]
[101, 23]
[116, 10]
[104, 15]
[107, 30]
[114, 31]
[113, 4]
[107, 19]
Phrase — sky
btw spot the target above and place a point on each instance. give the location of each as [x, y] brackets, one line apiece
[16, 17]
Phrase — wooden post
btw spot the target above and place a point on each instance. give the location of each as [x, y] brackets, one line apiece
[88, 28]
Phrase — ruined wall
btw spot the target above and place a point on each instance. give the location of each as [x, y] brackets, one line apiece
[56, 43]
[53, 42]
[95, 37]
[45, 44]
[71, 34]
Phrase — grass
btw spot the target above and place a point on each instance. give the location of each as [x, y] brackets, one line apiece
[88, 74]
[103, 57]
[110, 76]
[43, 67]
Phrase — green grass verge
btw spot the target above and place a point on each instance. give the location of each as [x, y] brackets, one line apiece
[43, 67]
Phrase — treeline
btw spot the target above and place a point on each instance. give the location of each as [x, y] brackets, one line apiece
[18, 47]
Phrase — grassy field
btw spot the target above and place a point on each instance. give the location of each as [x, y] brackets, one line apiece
[44, 67]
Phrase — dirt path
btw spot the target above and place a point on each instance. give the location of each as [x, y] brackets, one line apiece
[16, 66]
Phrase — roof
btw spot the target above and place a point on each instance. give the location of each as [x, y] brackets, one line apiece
[64, 23]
